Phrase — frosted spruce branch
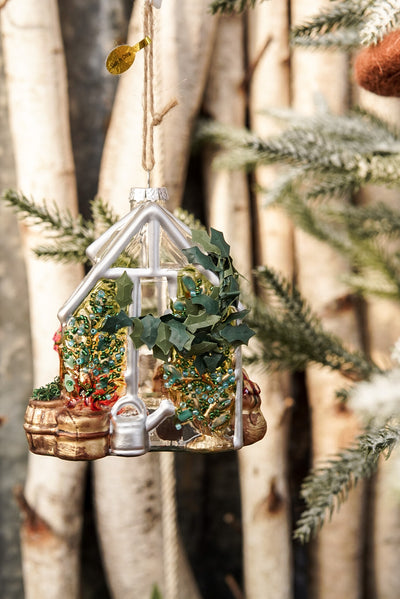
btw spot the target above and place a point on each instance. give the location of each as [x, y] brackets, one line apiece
[229, 6]
[103, 215]
[382, 17]
[342, 15]
[327, 145]
[359, 234]
[68, 236]
[49, 218]
[290, 336]
[348, 23]
[328, 486]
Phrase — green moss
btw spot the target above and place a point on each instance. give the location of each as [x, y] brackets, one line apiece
[48, 392]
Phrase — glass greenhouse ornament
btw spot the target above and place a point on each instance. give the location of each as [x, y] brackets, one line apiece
[149, 346]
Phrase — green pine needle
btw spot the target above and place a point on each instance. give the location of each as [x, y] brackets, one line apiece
[229, 6]
[102, 214]
[359, 234]
[156, 593]
[49, 218]
[291, 337]
[382, 17]
[362, 150]
[346, 24]
[328, 486]
[71, 236]
[342, 14]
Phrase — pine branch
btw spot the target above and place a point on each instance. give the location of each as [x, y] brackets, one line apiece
[344, 39]
[378, 400]
[75, 252]
[327, 487]
[102, 214]
[382, 17]
[188, 219]
[377, 270]
[291, 337]
[229, 6]
[49, 218]
[343, 14]
[323, 146]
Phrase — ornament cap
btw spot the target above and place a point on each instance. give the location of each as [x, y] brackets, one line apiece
[147, 194]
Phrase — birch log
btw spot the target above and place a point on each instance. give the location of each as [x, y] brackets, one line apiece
[15, 366]
[266, 502]
[183, 40]
[38, 102]
[127, 492]
[336, 568]
[383, 330]
[227, 195]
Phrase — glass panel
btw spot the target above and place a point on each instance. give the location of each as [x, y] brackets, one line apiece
[138, 248]
[205, 405]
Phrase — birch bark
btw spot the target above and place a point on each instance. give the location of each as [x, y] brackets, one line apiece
[337, 565]
[266, 506]
[15, 366]
[383, 330]
[183, 39]
[227, 195]
[129, 522]
[38, 101]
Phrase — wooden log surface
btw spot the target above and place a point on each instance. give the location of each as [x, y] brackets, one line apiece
[337, 554]
[383, 330]
[38, 102]
[264, 467]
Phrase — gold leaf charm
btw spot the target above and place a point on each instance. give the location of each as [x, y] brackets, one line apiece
[122, 57]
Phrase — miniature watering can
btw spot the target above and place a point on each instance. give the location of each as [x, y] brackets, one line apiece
[130, 425]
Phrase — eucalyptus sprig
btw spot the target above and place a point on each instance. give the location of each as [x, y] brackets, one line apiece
[203, 320]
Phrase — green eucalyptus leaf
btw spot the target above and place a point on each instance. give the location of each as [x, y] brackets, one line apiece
[112, 324]
[160, 354]
[150, 329]
[215, 292]
[210, 305]
[237, 334]
[236, 316]
[201, 321]
[202, 238]
[136, 334]
[189, 283]
[196, 256]
[213, 361]
[179, 335]
[124, 291]
[218, 239]
[191, 308]
[203, 347]
[200, 365]
[162, 340]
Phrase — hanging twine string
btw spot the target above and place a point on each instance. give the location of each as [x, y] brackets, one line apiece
[169, 525]
[150, 118]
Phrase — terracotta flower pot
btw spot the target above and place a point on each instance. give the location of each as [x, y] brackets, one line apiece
[54, 430]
